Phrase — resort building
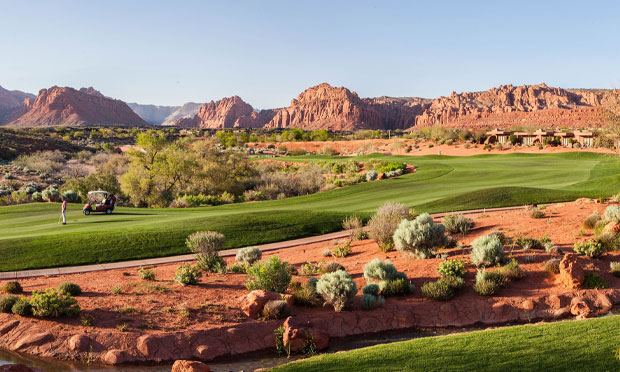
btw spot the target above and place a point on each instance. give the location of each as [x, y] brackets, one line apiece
[584, 138]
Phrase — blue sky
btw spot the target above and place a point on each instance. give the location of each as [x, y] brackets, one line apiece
[267, 52]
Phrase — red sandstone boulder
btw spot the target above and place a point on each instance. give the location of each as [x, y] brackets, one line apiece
[571, 273]
[252, 304]
[79, 343]
[299, 332]
[581, 308]
[189, 366]
[116, 357]
[18, 368]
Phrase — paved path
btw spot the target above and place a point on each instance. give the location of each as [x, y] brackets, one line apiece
[190, 257]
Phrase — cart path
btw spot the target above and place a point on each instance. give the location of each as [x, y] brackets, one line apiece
[190, 257]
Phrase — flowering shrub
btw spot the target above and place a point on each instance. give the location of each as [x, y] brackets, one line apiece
[270, 275]
[187, 274]
[53, 304]
[454, 267]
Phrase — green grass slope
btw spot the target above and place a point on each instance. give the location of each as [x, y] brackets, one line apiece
[31, 238]
[585, 345]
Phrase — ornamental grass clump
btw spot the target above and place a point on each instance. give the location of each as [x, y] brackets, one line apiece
[337, 289]
[12, 287]
[205, 245]
[269, 275]
[612, 213]
[188, 274]
[488, 282]
[458, 224]
[590, 221]
[53, 304]
[512, 270]
[276, 309]
[70, 288]
[146, 274]
[382, 225]
[553, 266]
[248, 256]
[595, 281]
[615, 268]
[443, 289]
[537, 213]
[486, 251]
[306, 295]
[420, 236]
[356, 226]
[330, 267]
[7, 302]
[609, 241]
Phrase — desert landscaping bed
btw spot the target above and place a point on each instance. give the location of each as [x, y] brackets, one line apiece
[125, 319]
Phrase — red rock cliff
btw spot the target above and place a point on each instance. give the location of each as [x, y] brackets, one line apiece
[64, 106]
[230, 112]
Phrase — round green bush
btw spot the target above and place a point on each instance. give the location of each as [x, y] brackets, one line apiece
[12, 287]
[487, 250]
[590, 221]
[595, 281]
[270, 275]
[371, 289]
[589, 248]
[368, 301]
[187, 274]
[248, 256]
[420, 236]
[377, 270]
[454, 267]
[331, 267]
[70, 288]
[396, 287]
[7, 302]
[53, 304]
[486, 287]
[71, 196]
[443, 289]
[553, 266]
[22, 307]
[337, 289]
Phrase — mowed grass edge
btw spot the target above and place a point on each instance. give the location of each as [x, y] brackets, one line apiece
[575, 345]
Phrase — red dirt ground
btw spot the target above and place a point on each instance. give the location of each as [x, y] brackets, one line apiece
[162, 306]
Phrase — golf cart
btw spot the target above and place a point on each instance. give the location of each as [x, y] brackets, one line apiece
[99, 201]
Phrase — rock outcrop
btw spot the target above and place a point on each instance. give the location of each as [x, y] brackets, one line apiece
[229, 112]
[189, 366]
[64, 106]
[11, 102]
[571, 273]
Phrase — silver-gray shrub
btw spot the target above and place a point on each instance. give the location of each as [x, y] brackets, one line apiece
[458, 224]
[612, 213]
[337, 289]
[382, 225]
[249, 255]
[205, 245]
[376, 271]
[487, 250]
[371, 175]
[420, 236]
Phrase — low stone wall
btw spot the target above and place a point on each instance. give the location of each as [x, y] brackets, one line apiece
[28, 336]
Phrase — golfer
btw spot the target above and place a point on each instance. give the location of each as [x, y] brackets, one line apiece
[64, 211]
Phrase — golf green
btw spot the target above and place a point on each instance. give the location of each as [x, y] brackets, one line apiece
[30, 236]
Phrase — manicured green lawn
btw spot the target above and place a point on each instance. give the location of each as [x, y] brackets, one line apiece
[31, 238]
[585, 345]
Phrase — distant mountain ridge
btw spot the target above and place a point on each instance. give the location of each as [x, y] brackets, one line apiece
[322, 107]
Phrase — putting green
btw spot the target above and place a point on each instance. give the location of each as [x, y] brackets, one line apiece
[30, 236]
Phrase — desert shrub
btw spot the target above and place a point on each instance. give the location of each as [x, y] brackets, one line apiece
[22, 307]
[368, 301]
[29, 188]
[270, 275]
[382, 225]
[609, 241]
[377, 271]
[612, 213]
[146, 274]
[396, 287]
[529, 243]
[277, 309]
[487, 250]
[371, 175]
[443, 289]
[7, 302]
[590, 221]
[331, 267]
[248, 256]
[512, 270]
[51, 194]
[589, 248]
[553, 266]
[326, 252]
[458, 224]
[536, 212]
[238, 268]
[337, 289]
[371, 289]
[252, 195]
[420, 236]
[454, 267]
[488, 282]
[342, 250]
[355, 224]
[12, 287]
[615, 268]
[37, 197]
[306, 295]
[53, 304]
[70, 288]
[71, 196]
[499, 235]
[206, 244]
[310, 268]
[312, 282]
[188, 274]
[116, 290]
[594, 281]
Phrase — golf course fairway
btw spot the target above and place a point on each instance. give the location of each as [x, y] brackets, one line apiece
[30, 236]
